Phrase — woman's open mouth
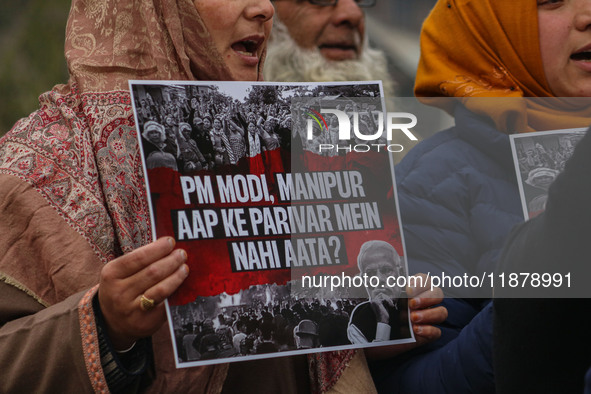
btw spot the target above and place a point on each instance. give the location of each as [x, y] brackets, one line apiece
[248, 48]
[581, 56]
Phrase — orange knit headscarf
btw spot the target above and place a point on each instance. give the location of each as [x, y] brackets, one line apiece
[474, 50]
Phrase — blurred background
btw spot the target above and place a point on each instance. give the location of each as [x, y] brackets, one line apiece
[32, 54]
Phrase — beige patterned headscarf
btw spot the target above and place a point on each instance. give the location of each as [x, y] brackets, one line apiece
[109, 42]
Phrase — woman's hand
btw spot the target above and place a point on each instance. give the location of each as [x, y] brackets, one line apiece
[153, 271]
[423, 315]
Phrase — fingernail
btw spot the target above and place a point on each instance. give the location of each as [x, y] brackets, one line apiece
[185, 269]
[415, 303]
[183, 254]
[418, 329]
[170, 241]
[416, 317]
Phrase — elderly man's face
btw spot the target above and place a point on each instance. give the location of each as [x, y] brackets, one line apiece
[337, 31]
[380, 263]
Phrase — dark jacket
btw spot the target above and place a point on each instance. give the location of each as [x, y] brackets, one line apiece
[458, 201]
[542, 345]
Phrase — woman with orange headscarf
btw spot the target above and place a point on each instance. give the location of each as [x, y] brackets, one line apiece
[489, 63]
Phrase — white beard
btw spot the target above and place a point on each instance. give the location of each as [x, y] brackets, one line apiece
[287, 62]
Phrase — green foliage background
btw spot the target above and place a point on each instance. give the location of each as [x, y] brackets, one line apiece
[31, 54]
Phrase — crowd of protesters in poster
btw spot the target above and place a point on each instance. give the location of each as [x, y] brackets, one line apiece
[540, 158]
[192, 128]
[257, 326]
[265, 319]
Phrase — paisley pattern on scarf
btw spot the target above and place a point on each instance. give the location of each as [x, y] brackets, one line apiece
[94, 180]
[465, 86]
[112, 41]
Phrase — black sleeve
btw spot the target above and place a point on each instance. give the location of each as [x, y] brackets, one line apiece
[542, 343]
[125, 372]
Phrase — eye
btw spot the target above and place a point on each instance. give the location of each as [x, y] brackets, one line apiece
[371, 272]
[550, 4]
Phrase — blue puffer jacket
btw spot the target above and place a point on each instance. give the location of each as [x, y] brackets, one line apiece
[458, 200]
